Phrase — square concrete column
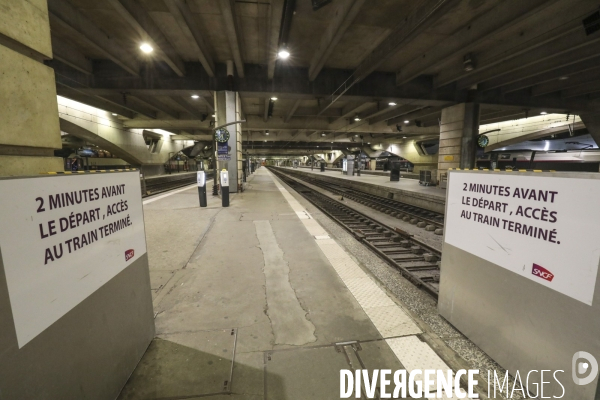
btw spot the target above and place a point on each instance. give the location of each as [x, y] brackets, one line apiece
[227, 109]
[458, 137]
[29, 124]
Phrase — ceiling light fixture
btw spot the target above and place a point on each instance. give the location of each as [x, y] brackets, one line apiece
[214, 115]
[283, 54]
[146, 48]
[115, 114]
[543, 113]
[403, 137]
[406, 122]
[273, 98]
[563, 78]
[195, 96]
[356, 118]
[392, 103]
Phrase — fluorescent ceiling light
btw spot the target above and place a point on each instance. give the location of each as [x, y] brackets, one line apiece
[146, 48]
[274, 98]
[392, 103]
[283, 54]
[406, 122]
[115, 114]
[543, 113]
[195, 96]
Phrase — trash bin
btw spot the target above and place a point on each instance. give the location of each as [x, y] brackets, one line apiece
[322, 167]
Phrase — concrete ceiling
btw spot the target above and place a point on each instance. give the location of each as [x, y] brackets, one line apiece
[350, 58]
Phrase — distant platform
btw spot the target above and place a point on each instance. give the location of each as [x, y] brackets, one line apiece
[407, 175]
[408, 191]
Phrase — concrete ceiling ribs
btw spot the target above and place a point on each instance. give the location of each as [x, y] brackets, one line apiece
[355, 67]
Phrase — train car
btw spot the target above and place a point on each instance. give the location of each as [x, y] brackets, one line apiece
[383, 163]
[565, 160]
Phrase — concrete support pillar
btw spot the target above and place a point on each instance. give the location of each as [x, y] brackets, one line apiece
[29, 124]
[228, 109]
[458, 136]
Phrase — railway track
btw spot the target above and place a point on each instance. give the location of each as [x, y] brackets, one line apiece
[430, 220]
[160, 186]
[415, 260]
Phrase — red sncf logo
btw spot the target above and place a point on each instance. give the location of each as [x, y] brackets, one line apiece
[129, 254]
[542, 272]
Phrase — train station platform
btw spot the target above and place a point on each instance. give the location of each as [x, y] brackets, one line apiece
[408, 191]
[270, 299]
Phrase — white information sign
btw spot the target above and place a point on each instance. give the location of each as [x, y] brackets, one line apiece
[543, 228]
[201, 178]
[62, 238]
[224, 178]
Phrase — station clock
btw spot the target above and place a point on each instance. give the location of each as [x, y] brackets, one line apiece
[483, 141]
[222, 135]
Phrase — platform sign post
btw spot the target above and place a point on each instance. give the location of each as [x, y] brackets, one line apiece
[519, 271]
[201, 178]
[225, 188]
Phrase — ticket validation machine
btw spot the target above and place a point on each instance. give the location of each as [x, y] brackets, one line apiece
[225, 188]
[201, 179]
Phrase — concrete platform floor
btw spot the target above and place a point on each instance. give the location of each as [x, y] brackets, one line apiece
[259, 301]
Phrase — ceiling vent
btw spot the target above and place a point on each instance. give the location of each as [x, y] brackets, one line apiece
[592, 23]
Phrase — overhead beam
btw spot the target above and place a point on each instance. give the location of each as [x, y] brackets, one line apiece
[344, 14]
[558, 44]
[152, 102]
[479, 30]
[187, 106]
[404, 109]
[423, 17]
[534, 76]
[93, 101]
[67, 54]
[208, 103]
[314, 112]
[232, 34]
[183, 15]
[351, 109]
[275, 18]
[589, 87]
[500, 116]
[567, 82]
[292, 84]
[121, 101]
[63, 16]
[416, 114]
[290, 113]
[139, 19]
